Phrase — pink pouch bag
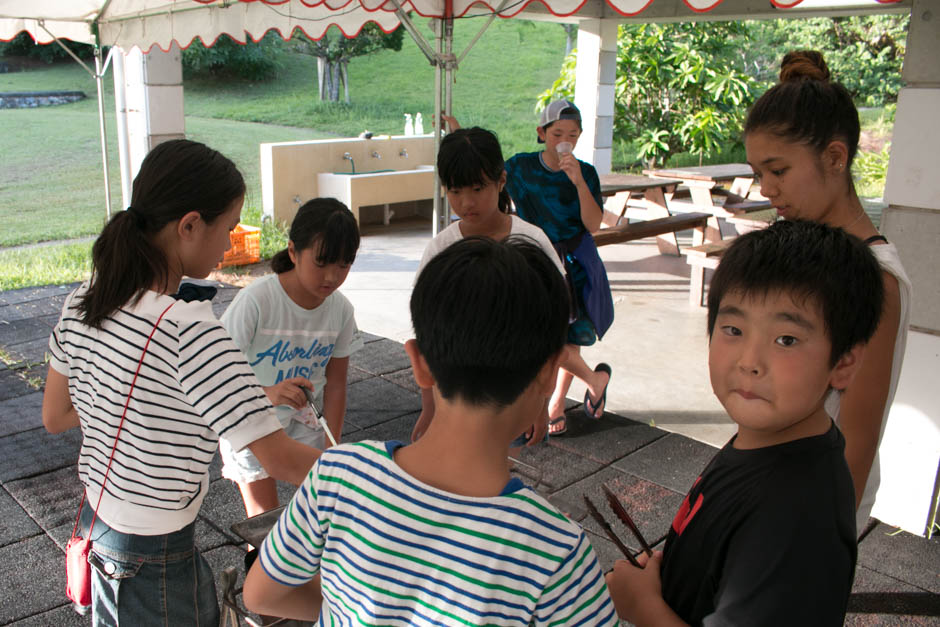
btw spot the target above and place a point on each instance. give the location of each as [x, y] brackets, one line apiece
[78, 573]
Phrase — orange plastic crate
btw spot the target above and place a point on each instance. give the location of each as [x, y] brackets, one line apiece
[246, 247]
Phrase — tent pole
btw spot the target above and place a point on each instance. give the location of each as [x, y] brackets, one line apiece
[101, 128]
[449, 65]
[120, 106]
[482, 30]
[416, 35]
[100, 69]
[437, 217]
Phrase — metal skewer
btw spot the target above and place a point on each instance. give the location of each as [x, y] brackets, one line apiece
[625, 517]
[596, 515]
[308, 393]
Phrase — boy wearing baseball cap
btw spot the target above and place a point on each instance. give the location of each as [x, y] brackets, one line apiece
[561, 194]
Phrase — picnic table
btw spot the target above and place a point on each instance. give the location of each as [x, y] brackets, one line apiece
[705, 183]
[646, 196]
[703, 180]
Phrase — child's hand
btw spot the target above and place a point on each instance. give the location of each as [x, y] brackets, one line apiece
[289, 392]
[450, 123]
[570, 166]
[538, 430]
[632, 588]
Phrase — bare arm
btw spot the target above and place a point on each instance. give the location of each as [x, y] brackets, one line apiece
[58, 413]
[862, 406]
[284, 458]
[449, 122]
[637, 593]
[334, 395]
[263, 595]
[591, 212]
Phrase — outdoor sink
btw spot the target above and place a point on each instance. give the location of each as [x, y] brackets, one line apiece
[360, 173]
[378, 187]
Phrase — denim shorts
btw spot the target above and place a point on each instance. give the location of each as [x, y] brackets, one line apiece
[148, 580]
[244, 467]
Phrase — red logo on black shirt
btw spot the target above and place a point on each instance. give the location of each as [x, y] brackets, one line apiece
[686, 513]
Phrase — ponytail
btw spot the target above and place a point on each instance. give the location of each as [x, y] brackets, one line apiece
[281, 262]
[175, 178]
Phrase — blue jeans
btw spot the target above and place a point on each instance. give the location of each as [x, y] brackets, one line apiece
[148, 580]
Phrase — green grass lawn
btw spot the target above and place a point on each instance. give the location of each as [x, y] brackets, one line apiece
[51, 183]
[496, 87]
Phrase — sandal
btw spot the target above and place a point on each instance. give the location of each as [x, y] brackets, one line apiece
[590, 409]
[562, 420]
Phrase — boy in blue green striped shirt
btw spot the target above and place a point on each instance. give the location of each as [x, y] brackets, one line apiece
[438, 532]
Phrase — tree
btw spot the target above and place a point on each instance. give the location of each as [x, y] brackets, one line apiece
[864, 53]
[571, 36]
[678, 88]
[334, 51]
[252, 60]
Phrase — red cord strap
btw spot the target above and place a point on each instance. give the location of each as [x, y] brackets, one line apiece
[120, 426]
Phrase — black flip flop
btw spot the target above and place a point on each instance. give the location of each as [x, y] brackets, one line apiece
[552, 423]
[589, 408]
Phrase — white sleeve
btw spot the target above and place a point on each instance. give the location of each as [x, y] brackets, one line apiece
[441, 241]
[241, 319]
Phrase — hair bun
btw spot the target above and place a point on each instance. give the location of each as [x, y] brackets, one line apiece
[803, 65]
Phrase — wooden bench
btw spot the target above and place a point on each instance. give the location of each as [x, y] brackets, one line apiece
[747, 206]
[655, 228]
[753, 221]
[701, 257]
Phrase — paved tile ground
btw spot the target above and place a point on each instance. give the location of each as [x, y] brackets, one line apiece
[897, 581]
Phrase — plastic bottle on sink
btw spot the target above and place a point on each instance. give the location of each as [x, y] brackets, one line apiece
[419, 124]
[409, 125]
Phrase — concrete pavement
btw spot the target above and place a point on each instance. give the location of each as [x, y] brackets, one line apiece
[659, 431]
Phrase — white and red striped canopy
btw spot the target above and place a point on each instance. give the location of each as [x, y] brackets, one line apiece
[144, 23]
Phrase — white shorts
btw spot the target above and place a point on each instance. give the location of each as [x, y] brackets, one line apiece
[244, 467]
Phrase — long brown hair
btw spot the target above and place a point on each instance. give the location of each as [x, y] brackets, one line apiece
[176, 177]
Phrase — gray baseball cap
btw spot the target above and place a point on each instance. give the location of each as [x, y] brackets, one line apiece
[558, 110]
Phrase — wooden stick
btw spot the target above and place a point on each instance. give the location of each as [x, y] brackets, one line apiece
[625, 517]
[596, 515]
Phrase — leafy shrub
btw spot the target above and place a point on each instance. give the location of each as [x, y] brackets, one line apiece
[677, 88]
[863, 52]
[23, 46]
[255, 61]
[871, 169]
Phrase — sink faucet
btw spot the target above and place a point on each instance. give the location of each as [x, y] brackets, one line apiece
[375, 153]
[403, 153]
[352, 164]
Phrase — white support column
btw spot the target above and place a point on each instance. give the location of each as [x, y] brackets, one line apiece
[154, 100]
[594, 90]
[910, 450]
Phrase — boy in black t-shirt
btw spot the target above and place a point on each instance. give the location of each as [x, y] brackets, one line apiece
[766, 535]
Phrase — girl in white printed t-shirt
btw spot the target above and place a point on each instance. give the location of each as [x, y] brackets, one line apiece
[298, 332]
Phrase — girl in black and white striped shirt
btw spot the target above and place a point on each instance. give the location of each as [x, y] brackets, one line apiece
[193, 386]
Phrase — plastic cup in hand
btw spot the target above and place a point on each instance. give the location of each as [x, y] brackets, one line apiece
[564, 148]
